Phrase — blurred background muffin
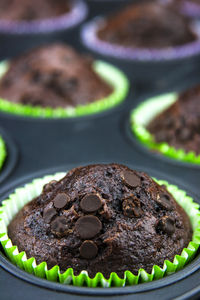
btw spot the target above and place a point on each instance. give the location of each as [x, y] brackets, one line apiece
[155, 43]
[25, 24]
[56, 76]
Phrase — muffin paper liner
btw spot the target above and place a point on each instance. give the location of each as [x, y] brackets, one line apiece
[187, 7]
[144, 114]
[91, 40]
[68, 20]
[25, 194]
[191, 9]
[113, 76]
[2, 152]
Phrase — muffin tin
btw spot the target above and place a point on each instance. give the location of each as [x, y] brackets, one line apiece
[11, 155]
[48, 146]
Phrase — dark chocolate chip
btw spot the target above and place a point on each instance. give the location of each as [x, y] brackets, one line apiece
[163, 200]
[48, 214]
[61, 200]
[167, 225]
[88, 249]
[131, 179]
[131, 207]
[91, 203]
[88, 226]
[59, 225]
[48, 187]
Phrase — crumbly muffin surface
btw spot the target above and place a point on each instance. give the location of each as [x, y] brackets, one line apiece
[179, 125]
[25, 10]
[102, 218]
[55, 76]
[147, 25]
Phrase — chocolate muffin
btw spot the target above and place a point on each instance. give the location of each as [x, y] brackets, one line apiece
[102, 218]
[179, 124]
[147, 25]
[53, 76]
[23, 10]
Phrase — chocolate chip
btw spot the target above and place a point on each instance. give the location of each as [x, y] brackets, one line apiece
[167, 225]
[131, 207]
[163, 200]
[48, 214]
[88, 226]
[61, 200]
[88, 249]
[91, 203]
[131, 179]
[59, 225]
[48, 187]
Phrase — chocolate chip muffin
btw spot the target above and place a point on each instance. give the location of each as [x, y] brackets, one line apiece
[54, 76]
[179, 125]
[147, 25]
[102, 218]
[23, 10]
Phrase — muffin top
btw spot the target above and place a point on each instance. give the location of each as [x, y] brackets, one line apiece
[53, 75]
[25, 10]
[147, 25]
[102, 218]
[179, 124]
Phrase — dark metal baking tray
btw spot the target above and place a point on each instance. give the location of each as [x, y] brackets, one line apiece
[47, 146]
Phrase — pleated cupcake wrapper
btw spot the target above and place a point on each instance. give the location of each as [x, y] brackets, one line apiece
[92, 41]
[187, 7]
[2, 152]
[25, 194]
[66, 21]
[113, 76]
[144, 114]
[190, 8]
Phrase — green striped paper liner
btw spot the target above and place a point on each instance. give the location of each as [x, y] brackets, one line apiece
[25, 194]
[112, 75]
[144, 114]
[2, 152]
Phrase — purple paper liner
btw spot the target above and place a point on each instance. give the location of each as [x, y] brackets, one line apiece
[90, 39]
[75, 16]
[191, 9]
[188, 8]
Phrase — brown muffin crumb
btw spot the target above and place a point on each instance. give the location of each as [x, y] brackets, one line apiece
[179, 124]
[147, 25]
[130, 226]
[54, 76]
[25, 10]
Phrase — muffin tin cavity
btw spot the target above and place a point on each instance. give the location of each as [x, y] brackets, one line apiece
[11, 155]
[140, 118]
[89, 249]
[96, 138]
